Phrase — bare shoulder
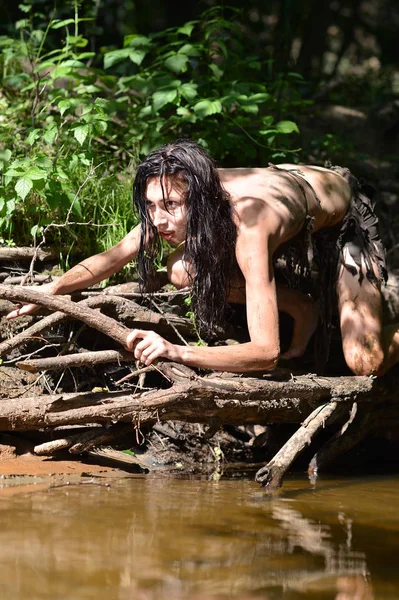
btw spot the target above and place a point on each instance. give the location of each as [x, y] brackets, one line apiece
[129, 245]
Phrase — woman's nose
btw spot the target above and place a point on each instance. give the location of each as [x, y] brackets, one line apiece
[159, 217]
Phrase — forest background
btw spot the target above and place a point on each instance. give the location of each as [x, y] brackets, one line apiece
[88, 87]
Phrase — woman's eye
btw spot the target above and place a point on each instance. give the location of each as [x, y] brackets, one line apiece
[171, 205]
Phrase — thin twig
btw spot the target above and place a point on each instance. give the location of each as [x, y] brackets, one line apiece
[159, 309]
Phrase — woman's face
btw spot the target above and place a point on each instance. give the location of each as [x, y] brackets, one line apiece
[168, 212]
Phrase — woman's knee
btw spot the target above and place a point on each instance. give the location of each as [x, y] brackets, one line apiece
[364, 357]
[178, 273]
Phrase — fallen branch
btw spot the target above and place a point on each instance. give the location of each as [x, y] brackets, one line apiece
[126, 310]
[92, 318]
[27, 253]
[17, 279]
[271, 475]
[82, 359]
[234, 400]
[81, 442]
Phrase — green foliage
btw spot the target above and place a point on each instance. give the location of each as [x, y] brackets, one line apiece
[199, 81]
[73, 125]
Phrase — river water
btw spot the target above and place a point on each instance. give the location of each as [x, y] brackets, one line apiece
[157, 538]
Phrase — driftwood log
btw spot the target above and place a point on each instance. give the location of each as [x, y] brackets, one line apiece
[354, 405]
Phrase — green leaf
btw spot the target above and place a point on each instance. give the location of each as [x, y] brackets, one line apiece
[162, 98]
[259, 98]
[187, 28]
[190, 50]
[57, 24]
[34, 230]
[100, 127]
[114, 56]
[101, 102]
[10, 207]
[23, 187]
[50, 133]
[287, 127]
[251, 109]
[189, 90]
[5, 155]
[177, 63]
[86, 109]
[137, 56]
[205, 108]
[44, 162]
[217, 71]
[186, 114]
[61, 174]
[136, 40]
[63, 106]
[81, 133]
[35, 173]
[32, 137]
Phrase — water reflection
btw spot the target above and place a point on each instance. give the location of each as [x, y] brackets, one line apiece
[152, 539]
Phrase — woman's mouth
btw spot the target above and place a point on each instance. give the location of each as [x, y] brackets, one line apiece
[167, 235]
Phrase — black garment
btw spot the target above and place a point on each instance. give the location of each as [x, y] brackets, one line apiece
[323, 253]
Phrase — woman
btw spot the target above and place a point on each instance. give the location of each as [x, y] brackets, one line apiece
[227, 226]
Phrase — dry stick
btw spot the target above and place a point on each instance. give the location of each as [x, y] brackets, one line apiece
[159, 309]
[21, 278]
[135, 373]
[26, 253]
[101, 438]
[75, 360]
[92, 318]
[81, 442]
[39, 326]
[182, 291]
[271, 475]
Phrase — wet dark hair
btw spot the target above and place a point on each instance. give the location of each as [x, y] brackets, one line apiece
[210, 234]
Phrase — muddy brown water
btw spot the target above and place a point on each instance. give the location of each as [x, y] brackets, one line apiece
[156, 538]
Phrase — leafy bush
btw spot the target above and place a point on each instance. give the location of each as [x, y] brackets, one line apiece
[72, 127]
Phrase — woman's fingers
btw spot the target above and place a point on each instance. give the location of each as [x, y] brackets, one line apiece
[23, 309]
[148, 345]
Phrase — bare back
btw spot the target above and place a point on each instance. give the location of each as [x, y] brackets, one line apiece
[289, 193]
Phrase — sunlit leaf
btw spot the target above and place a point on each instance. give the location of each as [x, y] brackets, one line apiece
[5, 155]
[177, 63]
[23, 187]
[287, 127]
[189, 90]
[35, 173]
[57, 24]
[162, 98]
[81, 133]
[187, 28]
[205, 108]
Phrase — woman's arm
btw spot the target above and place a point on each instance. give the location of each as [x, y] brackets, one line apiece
[254, 249]
[90, 271]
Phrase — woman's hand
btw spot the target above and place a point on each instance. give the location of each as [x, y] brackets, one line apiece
[151, 346]
[27, 309]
